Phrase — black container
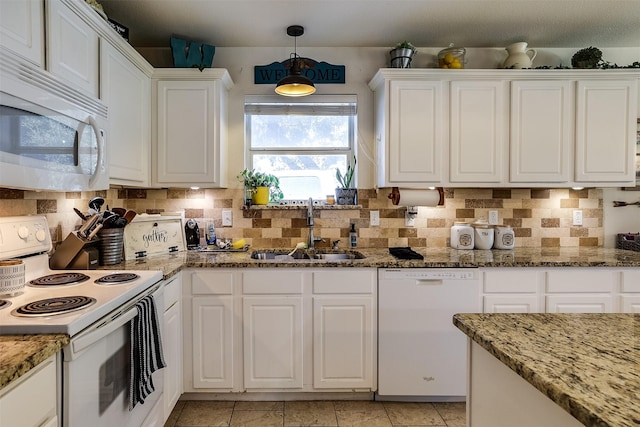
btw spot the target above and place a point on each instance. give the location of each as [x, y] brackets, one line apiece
[192, 234]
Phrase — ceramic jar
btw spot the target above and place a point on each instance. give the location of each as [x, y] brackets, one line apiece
[483, 236]
[519, 56]
[462, 236]
[505, 237]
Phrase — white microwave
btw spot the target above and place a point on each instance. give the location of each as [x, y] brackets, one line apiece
[52, 137]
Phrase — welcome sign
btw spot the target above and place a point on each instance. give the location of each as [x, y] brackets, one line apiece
[317, 72]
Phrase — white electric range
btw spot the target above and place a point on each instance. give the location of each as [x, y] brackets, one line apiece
[95, 308]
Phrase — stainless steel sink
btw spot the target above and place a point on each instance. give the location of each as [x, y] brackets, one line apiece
[278, 255]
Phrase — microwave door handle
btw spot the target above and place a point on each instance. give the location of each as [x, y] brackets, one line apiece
[82, 342]
[76, 149]
[96, 130]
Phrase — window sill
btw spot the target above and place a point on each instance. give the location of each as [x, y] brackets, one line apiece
[292, 207]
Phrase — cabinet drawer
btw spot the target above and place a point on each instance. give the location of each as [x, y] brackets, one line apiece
[511, 280]
[278, 281]
[631, 281]
[212, 283]
[581, 280]
[340, 281]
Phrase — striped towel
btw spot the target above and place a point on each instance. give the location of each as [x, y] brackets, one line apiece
[146, 351]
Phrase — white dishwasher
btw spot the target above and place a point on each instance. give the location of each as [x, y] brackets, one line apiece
[421, 355]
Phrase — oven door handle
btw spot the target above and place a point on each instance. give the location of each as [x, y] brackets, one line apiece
[82, 342]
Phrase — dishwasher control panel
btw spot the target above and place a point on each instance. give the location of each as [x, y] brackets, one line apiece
[431, 274]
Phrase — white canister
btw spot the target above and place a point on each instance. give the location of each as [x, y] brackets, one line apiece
[483, 236]
[11, 276]
[505, 237]
[461, 236]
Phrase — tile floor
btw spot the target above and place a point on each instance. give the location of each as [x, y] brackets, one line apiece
[207, 413]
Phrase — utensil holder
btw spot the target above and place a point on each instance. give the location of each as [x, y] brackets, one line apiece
[111, 245]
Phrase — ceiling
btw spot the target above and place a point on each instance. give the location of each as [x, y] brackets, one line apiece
[377, 23]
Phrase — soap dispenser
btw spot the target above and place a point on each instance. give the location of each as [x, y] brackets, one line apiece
[353, 236]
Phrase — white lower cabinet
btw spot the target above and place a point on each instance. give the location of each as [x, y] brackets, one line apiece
[294, 330]
[581, 290]
[630, 291]
[31, 400]
[172, 343]
[344, 338]
[512, 290]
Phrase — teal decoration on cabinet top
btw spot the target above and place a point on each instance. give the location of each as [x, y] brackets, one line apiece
[191, 54]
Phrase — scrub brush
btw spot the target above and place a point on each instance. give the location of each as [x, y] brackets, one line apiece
[300, 245]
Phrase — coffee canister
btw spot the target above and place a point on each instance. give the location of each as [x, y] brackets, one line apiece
[505, 237]
[11, 276]
[461, 236]
[483, 236]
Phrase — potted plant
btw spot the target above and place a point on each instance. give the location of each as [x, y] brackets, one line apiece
[402, 54]
[263, 187]
[589, 57]
[345, 194]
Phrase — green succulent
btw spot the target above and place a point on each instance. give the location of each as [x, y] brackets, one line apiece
[345, 180]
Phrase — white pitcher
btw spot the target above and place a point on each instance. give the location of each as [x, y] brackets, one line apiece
[519, 56]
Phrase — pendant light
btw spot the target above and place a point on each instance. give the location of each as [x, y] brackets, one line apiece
[295, 84]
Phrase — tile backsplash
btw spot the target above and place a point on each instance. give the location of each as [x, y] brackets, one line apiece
[540, 217]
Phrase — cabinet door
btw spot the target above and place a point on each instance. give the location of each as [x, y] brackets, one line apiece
[72, 49]
[343, 343]
[579, 304]
[478, 131]
[172, 345]
[630, 303]
[541, 130]
[606, 131]
[21, 28]
[511, 304]
[416, 132]
[188, 121]
[127, 92]
[212, 324]
[272, 331]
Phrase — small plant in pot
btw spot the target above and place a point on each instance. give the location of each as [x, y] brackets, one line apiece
[589, 57]
[263, 187]
[402, 55]
[345, 194]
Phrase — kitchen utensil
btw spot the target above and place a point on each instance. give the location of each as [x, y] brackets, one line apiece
[129, 215]
[80, 214]
[300, 245]
[88, 225]
[119, 222]
[95, 231]
[96, 203]
[119, 211]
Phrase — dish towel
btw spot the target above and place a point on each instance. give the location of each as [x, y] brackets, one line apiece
[405, 253]
[146, 351]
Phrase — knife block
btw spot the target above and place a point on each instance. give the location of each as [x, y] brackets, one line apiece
[75, 252]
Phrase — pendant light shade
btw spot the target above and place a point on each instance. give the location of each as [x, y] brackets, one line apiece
[295, 84]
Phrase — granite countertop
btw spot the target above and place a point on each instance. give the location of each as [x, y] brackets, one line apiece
[588, 364]
[20, 353]
[433, 257]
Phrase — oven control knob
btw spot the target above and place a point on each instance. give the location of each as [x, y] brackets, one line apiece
[40, 235]
[23, 232]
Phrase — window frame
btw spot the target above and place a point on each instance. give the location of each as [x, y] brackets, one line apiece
[349, 151]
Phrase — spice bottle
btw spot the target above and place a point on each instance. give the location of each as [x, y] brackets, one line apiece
[353, 236]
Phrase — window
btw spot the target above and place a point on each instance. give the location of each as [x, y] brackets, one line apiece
[301, 141]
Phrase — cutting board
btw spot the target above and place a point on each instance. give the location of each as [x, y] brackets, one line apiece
[149, 235]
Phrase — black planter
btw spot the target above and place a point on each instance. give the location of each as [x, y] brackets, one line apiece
[346, 196]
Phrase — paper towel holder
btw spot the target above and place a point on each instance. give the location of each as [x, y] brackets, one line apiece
[394, 196]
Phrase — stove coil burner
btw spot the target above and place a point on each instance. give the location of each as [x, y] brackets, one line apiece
[117, 278]
[4, 303]
[58, 305]
[58, 279]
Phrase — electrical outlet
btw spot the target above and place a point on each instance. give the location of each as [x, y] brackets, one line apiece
[493, 217]
[227, 218]
[577, 217]
[374, 218]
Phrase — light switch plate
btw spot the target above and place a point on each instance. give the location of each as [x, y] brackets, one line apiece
[493, 217]
[227, 218]
[577, 217]
[374, 218]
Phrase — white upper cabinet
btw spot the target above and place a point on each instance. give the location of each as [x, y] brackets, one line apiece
[72, 47]
[606, 130]
[22, 28]
[126, 90]
[478, 131]
[511, 128]
[542, 118]
[189, 125]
